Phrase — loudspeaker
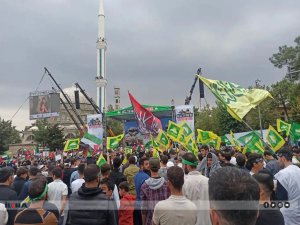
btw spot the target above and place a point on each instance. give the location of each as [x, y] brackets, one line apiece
[77, 100]
[201, 88]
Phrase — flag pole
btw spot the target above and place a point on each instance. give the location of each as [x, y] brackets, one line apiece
[257, 81]
[254, 130]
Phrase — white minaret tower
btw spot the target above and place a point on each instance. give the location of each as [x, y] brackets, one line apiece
[101, 81]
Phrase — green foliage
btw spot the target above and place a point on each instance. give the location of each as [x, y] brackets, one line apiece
[8, 135]
[41, 135]
[50, 136]
[287, 95]
[287, 56]
[56, 137]
[116, 126]
[227, 122]
[218, 120]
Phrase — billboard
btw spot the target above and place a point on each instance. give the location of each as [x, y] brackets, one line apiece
[185, 113]
[133, 136]
[44, 104]
[95, 126]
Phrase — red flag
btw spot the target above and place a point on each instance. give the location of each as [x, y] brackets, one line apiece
[147, 122]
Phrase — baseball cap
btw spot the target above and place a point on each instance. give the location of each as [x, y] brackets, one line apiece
[154, 163]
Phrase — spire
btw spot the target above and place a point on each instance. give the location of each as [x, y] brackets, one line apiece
[101, 17]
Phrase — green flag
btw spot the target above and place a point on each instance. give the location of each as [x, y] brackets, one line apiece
[155, 145]
[72, 144]
[191, 146]
[173, 131]
[225, 140]
[205, 137]
[187, 131]
[274, 139]
[155, 153]
[235, 142]
[215, 143]
[237, 100]
[283, 126]
[162, 139]
[113, 142]
[252, 142]
[128, 150]
[101, 160]
[295, 132]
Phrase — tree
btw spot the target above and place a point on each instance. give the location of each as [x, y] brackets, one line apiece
[8, 135]
[116, 126]
[288, 56]
[218, 120]
[55, 137]
[227, 123]
[50, 136]
[40, 136]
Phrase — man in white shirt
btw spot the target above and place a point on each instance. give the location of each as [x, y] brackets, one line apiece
[57, 193]
[177, 209]
[195, 188]
[288, 187]
[76, 184]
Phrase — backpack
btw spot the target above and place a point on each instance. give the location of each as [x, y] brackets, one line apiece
[35, 217]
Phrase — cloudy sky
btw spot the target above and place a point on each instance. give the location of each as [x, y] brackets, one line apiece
[154, 46]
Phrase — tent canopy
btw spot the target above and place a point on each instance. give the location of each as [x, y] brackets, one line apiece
[128, 114]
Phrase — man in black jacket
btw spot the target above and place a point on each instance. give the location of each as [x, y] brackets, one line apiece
[116, 176]
[20, 179]
[90, 206]
[7, 195]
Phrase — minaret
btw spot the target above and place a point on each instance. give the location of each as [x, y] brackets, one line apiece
[117, 98]
[101, 81]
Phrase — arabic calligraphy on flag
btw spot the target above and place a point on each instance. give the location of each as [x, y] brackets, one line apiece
[147, 122]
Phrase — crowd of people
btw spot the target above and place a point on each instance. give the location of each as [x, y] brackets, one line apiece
[214, 187]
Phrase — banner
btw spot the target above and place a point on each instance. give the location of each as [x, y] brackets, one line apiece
[237, 100]
[147, 122]
[185, 113]
[95, 128]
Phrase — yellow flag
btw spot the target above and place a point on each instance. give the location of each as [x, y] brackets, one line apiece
[238, 101]
[274, 139]
[235, 142]
[283, 126]
[113, 142]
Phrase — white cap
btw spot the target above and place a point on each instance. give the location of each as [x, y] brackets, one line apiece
[170, 164]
